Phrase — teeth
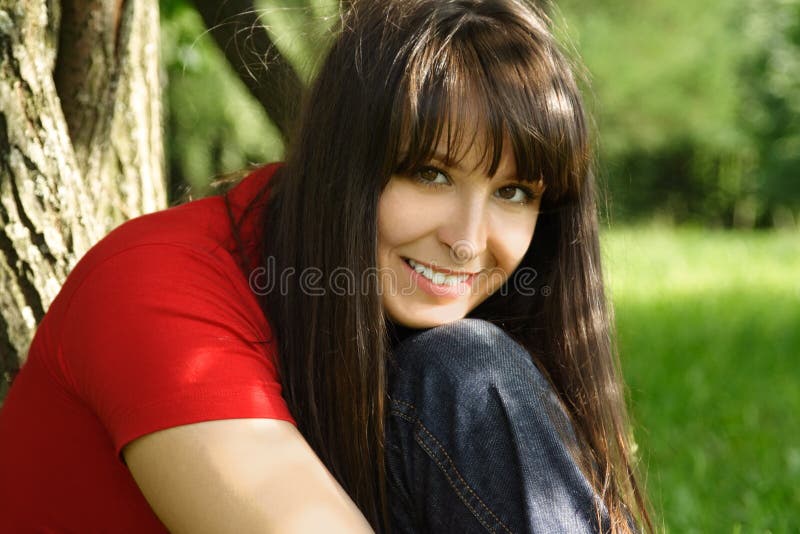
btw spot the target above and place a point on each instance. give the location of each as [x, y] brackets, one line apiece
[437, 278]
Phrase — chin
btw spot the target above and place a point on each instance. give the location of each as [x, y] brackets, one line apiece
[425, 318]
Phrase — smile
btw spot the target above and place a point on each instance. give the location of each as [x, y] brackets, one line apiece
[445, 278]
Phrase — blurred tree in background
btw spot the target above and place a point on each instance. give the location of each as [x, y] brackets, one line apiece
[697, 103]
[666, 97]
[215, 125]
[772, 105]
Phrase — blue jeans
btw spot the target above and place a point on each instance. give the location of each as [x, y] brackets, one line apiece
[477, 441]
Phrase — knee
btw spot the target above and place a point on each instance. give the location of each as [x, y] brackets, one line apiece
[473, 372]
[467, 353]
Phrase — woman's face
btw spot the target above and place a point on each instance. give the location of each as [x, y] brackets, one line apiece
[465, 232]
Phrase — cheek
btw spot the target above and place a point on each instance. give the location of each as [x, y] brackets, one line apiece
[389, 219]
[512, 238]
[401, 216]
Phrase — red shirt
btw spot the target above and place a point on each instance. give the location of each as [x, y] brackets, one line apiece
[155, 327]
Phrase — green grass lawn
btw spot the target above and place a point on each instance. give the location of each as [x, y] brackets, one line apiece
[708, 327]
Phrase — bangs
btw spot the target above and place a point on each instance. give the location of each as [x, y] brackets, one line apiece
[469, 81]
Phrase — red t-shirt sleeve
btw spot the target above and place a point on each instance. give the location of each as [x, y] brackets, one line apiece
[162, 335]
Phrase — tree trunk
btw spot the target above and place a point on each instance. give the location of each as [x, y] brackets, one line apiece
[80, 145]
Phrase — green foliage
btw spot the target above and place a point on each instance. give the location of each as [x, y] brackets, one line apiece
[772, 99]
[707, 330]
[214, 126]
[696, 105]
[300, 29]
[660, 71]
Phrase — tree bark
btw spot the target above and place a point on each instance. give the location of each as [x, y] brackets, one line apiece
[80, 145]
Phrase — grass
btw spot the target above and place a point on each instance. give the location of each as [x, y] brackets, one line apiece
[708, 326]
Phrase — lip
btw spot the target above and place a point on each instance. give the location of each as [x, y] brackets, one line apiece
[460, 289]
[439, 269]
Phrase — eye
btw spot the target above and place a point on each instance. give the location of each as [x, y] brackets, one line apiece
[431, 176]
[516, 193]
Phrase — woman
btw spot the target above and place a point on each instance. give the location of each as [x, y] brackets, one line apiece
[430, 349]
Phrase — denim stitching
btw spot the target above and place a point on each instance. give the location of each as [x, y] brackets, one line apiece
[407, 404]
[453, 485]
[403, 416]
[408, 407]
[444, 451]
[475, 513]
[451, 464]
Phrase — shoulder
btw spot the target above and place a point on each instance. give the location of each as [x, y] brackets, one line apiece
[177, 266]
[172, 255]
[165, 332]
[158, 283]
[199, 225]
[195, 237]
[190, 283]
[203, 224]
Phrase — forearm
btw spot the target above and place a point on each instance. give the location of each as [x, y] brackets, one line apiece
[240, 476]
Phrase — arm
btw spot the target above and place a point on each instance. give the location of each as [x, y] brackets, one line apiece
[239, 475]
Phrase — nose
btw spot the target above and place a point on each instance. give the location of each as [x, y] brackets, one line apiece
[465, 230]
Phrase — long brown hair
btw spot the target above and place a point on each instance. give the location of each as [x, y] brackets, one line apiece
[393, 83]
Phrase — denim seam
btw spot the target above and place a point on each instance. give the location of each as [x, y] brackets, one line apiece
[406, 404]
[403, 416]
[451, 465]
[443, 468]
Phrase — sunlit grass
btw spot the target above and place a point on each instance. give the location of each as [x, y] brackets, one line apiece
[709, 333]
